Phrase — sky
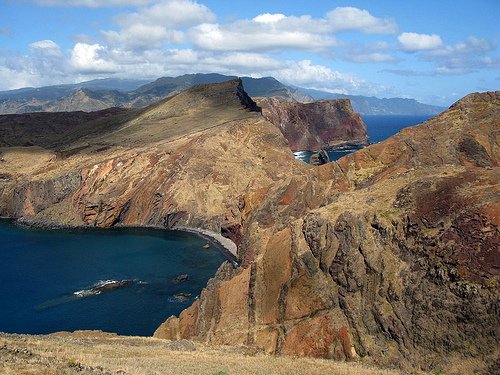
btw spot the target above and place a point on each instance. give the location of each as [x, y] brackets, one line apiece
[433, 51]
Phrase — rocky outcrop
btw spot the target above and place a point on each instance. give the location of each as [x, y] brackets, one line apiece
[166, 165]
[315, 125]
[400, 267]
[391, 254]
[319, 158]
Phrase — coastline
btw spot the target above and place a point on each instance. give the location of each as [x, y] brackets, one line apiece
[225, 245]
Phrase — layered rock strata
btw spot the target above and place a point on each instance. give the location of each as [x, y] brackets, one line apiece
[315, 125]
[394, 256]
[391, 254]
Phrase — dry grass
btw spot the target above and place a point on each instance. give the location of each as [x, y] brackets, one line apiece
[96, 353]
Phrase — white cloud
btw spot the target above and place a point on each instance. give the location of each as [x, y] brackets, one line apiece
[349, 18]
[161, 23]
[373, 52]
[418, 42]
[280, 32]
[247, 37]
[140, 36]
[269, 18]
[46, 48]
[471, 45]
[169, 13]
[87, 58]
[306, 74]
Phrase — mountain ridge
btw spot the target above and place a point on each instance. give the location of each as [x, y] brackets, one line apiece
[371, 105]
[105, 93]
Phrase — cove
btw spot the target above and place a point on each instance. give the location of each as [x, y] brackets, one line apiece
[118, 280]
[379, 128]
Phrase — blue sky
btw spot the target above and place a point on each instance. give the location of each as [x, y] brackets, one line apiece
[434, 51]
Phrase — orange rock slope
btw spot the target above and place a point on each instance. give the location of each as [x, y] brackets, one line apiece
[391, 254]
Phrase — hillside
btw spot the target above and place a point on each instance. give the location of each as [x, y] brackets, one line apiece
[389, 256]
[97, 353]
[316, 125]
[391, 253]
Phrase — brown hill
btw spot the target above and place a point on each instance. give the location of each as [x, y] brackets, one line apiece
[393, 254]
[390, 255]
[315, 125]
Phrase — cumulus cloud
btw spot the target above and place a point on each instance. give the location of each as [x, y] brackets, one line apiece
[464, 57]
[349, 18]
[471, 45]
[44, 65]
[88, 59]
[374, 52]
[186, 21]
[161, 23]
[278, 32]
[269, 18]
[247, 37]
[418, 42]
[47, 48]
[171, 13]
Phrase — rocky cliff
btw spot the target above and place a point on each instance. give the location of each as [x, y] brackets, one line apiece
[315, 125]
[184, 161]
[390, 255]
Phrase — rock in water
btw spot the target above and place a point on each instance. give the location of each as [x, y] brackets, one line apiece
[319, 158]
[182, 297]
[181, 278]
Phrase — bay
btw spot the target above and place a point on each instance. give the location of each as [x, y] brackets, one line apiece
[379, 128]
[62, 280]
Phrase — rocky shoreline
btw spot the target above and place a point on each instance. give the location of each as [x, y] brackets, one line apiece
[225, 245]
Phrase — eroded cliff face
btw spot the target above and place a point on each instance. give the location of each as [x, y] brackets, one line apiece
[315, 125]
[391, 254]
[393, 257]
[183, 162]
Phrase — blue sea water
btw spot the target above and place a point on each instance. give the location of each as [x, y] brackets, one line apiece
[379, 128]
[40, 271]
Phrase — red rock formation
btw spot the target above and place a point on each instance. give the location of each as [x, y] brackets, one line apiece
[391, 254]
[316, 125]
[402, 269]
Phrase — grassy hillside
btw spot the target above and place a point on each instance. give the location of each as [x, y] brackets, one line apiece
[99, 353]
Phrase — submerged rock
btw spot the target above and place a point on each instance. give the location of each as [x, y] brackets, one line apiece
[181, 278]
[103, 286]
[182, 297]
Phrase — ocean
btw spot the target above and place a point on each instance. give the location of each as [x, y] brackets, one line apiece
[115, 280]
[379, 128]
